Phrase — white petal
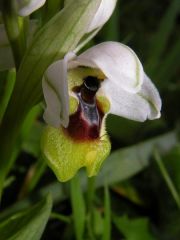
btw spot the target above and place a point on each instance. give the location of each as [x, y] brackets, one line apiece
[26, 7]
[102, 15]
[55, 89]
[136, 106]
[118, 62]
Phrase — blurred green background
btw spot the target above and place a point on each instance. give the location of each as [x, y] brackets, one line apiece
[137, 192]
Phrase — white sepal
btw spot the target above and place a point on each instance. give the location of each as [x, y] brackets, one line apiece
[118, 63]
[55, 89]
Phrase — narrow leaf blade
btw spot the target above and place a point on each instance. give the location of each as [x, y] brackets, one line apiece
[27, 224]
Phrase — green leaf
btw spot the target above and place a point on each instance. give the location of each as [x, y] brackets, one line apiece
[78, 207]
[27, 224]
[135, 229]
[30, 121]
[7, 91]
[31, 143]
[107, 217]
[126, 162]
[51, 8]
[128, 191]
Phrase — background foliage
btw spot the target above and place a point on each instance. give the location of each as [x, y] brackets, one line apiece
[137, 193]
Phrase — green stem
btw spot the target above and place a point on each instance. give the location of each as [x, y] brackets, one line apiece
[90, 198]
[90, 193]
[167, 178]
[15, 30]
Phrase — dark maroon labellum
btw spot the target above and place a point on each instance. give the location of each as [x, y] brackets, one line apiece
[85, 124]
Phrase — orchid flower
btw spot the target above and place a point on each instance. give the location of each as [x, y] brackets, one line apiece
[80, 91]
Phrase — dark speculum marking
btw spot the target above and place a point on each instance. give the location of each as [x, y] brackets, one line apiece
[85, 124]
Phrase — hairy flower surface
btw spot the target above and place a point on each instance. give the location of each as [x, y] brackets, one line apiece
[79, 92]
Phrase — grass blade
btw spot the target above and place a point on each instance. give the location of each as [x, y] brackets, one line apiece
[167, 178]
